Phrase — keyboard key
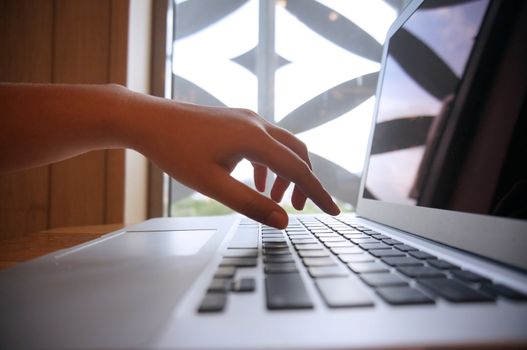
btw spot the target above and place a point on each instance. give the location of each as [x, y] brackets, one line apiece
[443, 265]
[276, 251]
[453, 290]
[225, 271]
[327, 271]
[241, 253]
[332, 239]
[496, 289]
[343, 292]
[364, 240]
[383, 279]
[386, 253]
[405, 247]
[275, 245]
[469, 276]
[313, 253]
[356, 236]
[245, 237]
[319, 261]
[286, 291]
[380, 236]
[403, 296]
[273, 240]
[303, 240]
[219, 285]
[402, 261]
[370, 246]
[280, 268]
[422, 255]
[363, 267]
[309, 246]
[362, 257]
[392, 241]
[339, 244]
[346, 250]
[420, 271]
[243, 285]
[278, 258]
[213, 302]
[238, 262]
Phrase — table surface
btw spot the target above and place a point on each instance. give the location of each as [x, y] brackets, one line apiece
[16, 250]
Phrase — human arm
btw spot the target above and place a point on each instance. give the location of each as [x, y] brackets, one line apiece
[197, 145]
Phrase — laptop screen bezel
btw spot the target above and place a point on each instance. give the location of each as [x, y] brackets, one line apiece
[497, 238]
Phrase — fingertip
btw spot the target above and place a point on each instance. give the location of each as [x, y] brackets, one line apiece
[277, 219]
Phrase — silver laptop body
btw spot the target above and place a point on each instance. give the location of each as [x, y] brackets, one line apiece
[161, 284]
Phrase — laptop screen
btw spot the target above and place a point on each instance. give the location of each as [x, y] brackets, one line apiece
[423, 153]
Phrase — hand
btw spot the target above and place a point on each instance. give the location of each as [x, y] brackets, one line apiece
[200, 146]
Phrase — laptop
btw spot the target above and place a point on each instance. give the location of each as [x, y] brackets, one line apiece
[435, 255]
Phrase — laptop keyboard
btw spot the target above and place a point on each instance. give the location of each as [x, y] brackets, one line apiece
[343, 260]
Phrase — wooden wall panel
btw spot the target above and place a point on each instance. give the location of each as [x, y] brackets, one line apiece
[63, 41]
[26, 47]
[80, 55]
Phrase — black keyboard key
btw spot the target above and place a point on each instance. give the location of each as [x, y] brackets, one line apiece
[420, 271]
[286, 291]
[496, 289]
[380, 253]
[364, 267]
[278, 258]
[243, 285]
[403, 296]
[453, 290]
[469, 276]
[405, 247]
[319, 261]
[344, 244]
[313, 253]
[422, 255]
[402, 261]
[276, 251]
[314, 246]
[303, 240]
[343, 292]
[362, 257]
[352, 236]
[443, 265]
[273, 240]
[327, 271]
[275, 245]
[332, 239]
[383, 279]
[364, 240]
[371, 246]
[213, 302]
[280, 268]
[238, 262]
[391, 241]
[346, 250]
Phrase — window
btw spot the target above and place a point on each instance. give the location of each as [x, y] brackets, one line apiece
[308, 66]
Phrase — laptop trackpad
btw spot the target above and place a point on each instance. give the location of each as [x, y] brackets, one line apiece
[143, 243]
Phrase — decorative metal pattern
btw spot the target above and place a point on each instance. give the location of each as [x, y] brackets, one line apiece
[317, 20]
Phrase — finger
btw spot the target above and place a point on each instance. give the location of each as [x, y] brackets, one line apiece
[245, 200]
[279, 187]
[260, 176]
[287, 164]
[298, 198]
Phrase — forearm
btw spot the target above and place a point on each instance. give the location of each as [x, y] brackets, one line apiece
[43, 123]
